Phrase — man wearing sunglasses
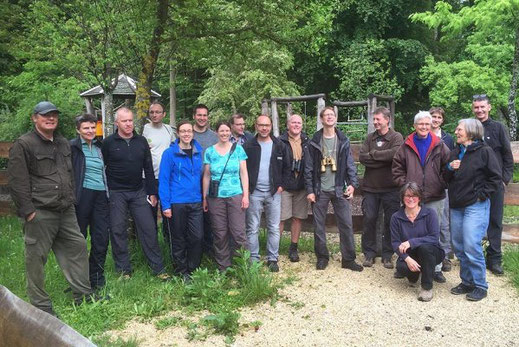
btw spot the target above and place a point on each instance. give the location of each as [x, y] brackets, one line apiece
[496, 136]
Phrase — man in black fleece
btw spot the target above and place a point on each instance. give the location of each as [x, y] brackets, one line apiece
[496, 136]
[126, 155]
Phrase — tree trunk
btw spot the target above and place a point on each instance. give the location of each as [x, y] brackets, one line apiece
[108, 113]
[149, 62]
[172, 94]
[512, 114]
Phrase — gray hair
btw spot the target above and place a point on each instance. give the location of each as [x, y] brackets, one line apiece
[292, 115]
[473, 128]
[421, 115]
[125, 109]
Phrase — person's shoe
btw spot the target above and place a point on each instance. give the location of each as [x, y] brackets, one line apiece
[293, 256]
[164, 277]
[438, 277]
[368, 262]
[461, 289]
[50, 311]
[446, 265]
[352, 265]
[398, 275]
[186, 278]
[273, 266]
[388, 264]
[425, 295]
[496, 269]
[412, 284]
[322, 263]
[477, 294]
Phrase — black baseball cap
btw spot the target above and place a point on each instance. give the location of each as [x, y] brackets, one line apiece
[45, 107]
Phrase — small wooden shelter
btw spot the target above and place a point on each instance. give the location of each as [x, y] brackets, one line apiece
[123, 94]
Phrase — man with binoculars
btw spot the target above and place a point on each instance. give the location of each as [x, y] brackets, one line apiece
[331, 175]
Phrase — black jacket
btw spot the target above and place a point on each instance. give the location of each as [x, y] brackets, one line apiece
[477, 178]
[279, 166]
[346, 173]
[496, 136]
[79, 164]
[448, 140]
[291, 182]
[125, 162]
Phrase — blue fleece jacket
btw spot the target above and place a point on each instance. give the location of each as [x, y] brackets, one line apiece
[424, 230]
[180, 176]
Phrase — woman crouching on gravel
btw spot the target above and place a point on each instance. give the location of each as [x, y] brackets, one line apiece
[415, 236]
[473, 175]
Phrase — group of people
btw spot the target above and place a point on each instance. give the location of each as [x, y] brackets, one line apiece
[211, 188]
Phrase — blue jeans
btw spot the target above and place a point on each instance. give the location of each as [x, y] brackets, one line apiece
[468, 227]
[259, 201]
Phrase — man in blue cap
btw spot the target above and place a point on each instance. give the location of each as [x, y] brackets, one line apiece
[42, 187]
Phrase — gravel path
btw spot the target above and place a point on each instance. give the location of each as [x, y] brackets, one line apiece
[339, 307]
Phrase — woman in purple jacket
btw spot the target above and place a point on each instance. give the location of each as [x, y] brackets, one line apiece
[415, 236]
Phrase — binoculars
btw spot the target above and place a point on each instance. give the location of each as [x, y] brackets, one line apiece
[328, 161]
[296, 165]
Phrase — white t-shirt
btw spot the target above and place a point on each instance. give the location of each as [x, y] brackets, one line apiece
[159, 140]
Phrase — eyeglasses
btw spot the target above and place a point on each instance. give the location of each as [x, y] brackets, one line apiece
[264, 125]
[156, 112]
[50, 114]
[410, 196]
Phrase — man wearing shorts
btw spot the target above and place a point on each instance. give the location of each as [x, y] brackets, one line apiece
[294, 204]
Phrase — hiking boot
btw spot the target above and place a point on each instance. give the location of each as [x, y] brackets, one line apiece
[273, 266]
[352, 265]
[477, 294]
[50, 311]
[412, 284]
[322, 263]
[398, 275]
[368, 261]
[446, 265]
[438, 277]
[90, 298]
[496, 269]
[461, 289]
[293, 256]
[186, 278]
[425, 295]
[388, 264]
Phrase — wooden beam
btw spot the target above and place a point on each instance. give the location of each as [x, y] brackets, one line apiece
[350, 103]
[299, 98]
[275, 117]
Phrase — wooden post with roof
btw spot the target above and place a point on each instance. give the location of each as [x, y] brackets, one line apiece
[123, 94]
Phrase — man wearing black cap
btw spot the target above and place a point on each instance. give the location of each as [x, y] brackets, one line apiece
[42, 187]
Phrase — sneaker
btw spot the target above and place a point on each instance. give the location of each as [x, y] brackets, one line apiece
[496, 269]
[438, 277]
[446, 265]
[273, 266]
[368, 262]
[322, 263]
[186, 278]
[412, 284]
[50, 311]
[388, 264]
[398, 275]
[352, 265]
[293, 256]
[164, 277]
[461, 289]
[425, 295]
[89, 298]
[477, 294]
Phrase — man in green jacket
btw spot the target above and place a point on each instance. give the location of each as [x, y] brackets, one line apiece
[42, 187]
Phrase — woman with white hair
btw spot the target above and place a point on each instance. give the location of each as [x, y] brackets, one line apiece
[473, 174]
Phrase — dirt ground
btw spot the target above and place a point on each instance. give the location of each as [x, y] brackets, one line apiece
[340, 307]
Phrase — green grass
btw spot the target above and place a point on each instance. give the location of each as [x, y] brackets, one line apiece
[510, 214]
[515, 178]
[511, 263]
[144, 296]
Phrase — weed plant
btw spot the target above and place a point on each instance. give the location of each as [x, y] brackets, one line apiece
[511, 263]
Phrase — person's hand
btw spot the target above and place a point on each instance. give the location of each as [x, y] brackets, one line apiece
[204, 205]
[349, 192]
[404, 246]
[310, 197]
[152, 199]
[167, 213]
[455, 164]
[280, 190]
[245, 202]
[412, 264]
[30, 217]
